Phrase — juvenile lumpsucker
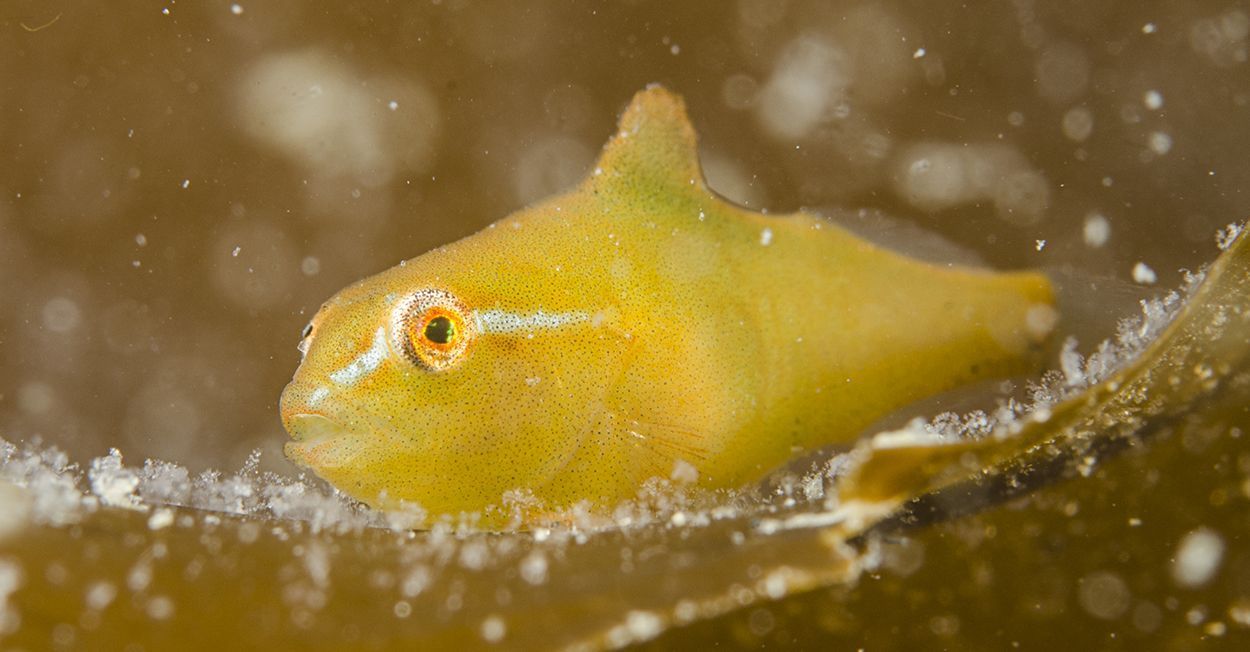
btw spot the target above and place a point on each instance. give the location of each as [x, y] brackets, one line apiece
[635, 325]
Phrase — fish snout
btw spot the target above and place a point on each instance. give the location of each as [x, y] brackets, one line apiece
[302, 397]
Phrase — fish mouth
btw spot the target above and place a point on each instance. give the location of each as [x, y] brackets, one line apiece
[320, 443]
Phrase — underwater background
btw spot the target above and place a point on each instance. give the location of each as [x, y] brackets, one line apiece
[183, 184]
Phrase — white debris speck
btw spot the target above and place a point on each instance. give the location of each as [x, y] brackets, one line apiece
[236, 9]
[1222, 38]
[1041, 244]
[10, 580]
[235, 252]
[1072, 364]
[186, 183]
[35, 397]
[61, 315]
[684, 472]
[1160, 142]
[534, 568]
[113, 483]
[912, 434]
[533, 381]
[310, 266]
[776, 584]
[639, 626]
[15, 506]
[918, 54]
[1239, 612]
[141, 240]
[1097, 230]
[1225, 237]
[676, 49]
[493, 629]
[416, 581]
[335, 120]
[161, 519]
[402, 609]
[1153, 100]
[809, 76]
[813, 487]
[1197, 558]
[317, 563]
[49, 480]
[474, 554]
[1149, 28]
[1104, 595]
[1143, 274]
[100, 595]
[766, 236]
[160, 608]
[934, 176]
[1078, 124]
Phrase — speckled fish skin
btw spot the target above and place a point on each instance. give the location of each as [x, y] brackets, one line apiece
[633, 323]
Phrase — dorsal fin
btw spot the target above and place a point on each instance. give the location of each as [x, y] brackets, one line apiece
[654, 144]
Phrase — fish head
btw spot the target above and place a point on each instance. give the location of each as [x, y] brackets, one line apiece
[452, 379]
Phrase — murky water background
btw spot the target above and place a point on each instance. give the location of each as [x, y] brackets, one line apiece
[182, 184]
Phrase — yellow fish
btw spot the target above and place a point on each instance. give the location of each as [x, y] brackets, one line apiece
[632, 327]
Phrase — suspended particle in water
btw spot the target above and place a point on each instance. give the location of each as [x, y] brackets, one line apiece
[310, 266]
[1160, 142]
[493, 629]
[1078, 124]
[1097, 230]
[1197, 558]
[61, 315]
[1142, 273]
[1104, 595]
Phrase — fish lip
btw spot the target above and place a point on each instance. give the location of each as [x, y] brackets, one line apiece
[311, 428]
[320, 443]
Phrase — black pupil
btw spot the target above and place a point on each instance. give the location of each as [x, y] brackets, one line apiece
[439, 330]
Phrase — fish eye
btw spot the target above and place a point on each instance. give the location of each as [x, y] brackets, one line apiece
[429, 327]
[440, 330]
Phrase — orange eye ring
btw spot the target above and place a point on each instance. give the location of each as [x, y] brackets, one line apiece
[430, 328]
